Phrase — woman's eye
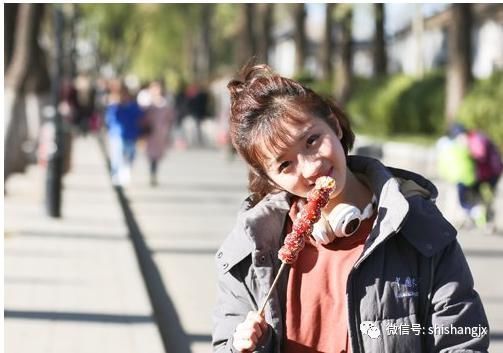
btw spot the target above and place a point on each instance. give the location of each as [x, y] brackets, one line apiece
[312, 139]
[283, 166]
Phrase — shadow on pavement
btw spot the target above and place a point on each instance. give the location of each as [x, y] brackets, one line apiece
[86, 317]
[185, 251]
[496, 336]
[173, 336]
[483, 253]
[231, 188]
[186, 199]
[72, 236]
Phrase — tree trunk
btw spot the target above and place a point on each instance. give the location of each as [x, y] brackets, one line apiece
[379, 49]
[203, 55]
[300, 37]
[247, 47]
[207, 35]
[26, 76]
[265, 33]
[345, 58]
[328, 45]
[459, 75]
[9, 30]
[418, 32]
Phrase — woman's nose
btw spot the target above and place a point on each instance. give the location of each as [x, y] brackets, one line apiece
[311, 169]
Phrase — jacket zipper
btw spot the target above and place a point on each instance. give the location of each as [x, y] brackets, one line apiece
[351, 323]
[358, 263]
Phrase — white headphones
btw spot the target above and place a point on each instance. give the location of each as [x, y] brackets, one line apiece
[343, 221]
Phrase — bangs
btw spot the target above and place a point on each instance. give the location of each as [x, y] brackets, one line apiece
[272, 138]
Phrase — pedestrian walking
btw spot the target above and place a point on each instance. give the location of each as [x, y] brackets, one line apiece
[471, 161]
[197, 105]
[382, 258]
[181, 112]
[122, 116]
[159, 120]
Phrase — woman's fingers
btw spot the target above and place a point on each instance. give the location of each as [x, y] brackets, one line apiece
[297, 205]
[249, 332]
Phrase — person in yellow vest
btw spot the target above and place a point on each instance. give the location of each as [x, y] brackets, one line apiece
[456, 165]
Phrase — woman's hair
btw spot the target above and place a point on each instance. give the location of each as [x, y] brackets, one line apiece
[261, 103]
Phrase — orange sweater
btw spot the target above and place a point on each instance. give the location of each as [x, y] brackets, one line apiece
[316, 310]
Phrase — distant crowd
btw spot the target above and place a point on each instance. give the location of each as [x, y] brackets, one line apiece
[193, 116]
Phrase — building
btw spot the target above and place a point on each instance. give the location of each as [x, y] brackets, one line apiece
[419, 47]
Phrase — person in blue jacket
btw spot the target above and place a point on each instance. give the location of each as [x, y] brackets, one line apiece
[122, 116]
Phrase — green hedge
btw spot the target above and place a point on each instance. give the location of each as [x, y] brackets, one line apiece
[409, 106]
[482, 108]
[398, 104]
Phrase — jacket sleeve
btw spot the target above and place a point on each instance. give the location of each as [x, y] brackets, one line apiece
[458, 320]
[233, 304]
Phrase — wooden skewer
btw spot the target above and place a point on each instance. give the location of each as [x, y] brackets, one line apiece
[274, 283]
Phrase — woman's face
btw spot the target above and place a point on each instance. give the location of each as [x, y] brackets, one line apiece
[316, 151]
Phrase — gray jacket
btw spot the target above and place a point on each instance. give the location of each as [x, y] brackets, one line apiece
[412, 280]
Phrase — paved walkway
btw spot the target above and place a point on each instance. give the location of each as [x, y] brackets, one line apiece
[187, 216]
[184, 220]
[73, 285]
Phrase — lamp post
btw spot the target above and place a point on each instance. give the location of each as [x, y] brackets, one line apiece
[54, 174]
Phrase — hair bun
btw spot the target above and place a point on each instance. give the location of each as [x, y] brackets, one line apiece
[247, 76]
[250, 72]
[235, 87]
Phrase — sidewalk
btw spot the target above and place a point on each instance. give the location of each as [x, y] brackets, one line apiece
[185, 219]
[73, 284]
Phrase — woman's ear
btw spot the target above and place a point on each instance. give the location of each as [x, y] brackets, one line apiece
[338, 132]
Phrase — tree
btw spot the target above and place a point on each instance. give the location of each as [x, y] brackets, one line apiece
[344, 75]
[119, 29]
[299, 15]
[266, 11]
[26, 77]
[227, 36]
[328, 45]
[247, 47]
[206, 31]
[202, 49]
[459, 75]
[9, 30]
[379, 45]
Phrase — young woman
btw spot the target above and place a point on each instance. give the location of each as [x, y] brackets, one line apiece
[159, 118]
[382, 272]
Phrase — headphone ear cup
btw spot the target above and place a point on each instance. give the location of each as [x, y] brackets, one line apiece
[341, 216]
[322, 233]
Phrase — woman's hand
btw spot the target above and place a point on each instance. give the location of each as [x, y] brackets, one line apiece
[297, 205]
[249, 332]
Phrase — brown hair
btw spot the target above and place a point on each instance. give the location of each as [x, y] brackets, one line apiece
[261, 102]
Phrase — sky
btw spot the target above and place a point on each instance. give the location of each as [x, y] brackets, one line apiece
[398, 15]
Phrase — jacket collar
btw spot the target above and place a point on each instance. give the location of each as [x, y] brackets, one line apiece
[266, 218]
[392, 206]
[405, 203]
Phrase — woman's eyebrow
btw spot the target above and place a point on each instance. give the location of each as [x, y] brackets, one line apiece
[301, 137]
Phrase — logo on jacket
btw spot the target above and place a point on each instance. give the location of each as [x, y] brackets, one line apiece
[370, 329]
[406, 289]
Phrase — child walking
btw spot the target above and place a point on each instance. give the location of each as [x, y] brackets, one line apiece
[382, 272]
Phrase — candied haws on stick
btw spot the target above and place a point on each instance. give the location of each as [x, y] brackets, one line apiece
[308, 216]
